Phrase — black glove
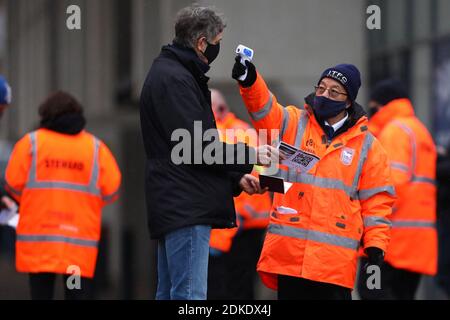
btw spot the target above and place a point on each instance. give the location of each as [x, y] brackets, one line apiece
[239, 70]
[375, 256]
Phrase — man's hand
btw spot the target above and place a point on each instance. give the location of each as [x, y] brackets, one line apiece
[9, 204]
[267, 155]
[239, 70]
[250, 185]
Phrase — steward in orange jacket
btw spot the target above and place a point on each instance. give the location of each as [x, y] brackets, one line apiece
[412, 154]
[62, 176]
[342, 201]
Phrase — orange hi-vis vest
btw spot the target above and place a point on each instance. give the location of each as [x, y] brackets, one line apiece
[412, 153]
[62, 183]
[316, 228]
[252, 211]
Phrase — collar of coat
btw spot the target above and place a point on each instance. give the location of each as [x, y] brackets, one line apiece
[356, 123]
[190, 60]
[398, 108]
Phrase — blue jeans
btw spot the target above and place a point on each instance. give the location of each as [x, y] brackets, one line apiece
[183, 264]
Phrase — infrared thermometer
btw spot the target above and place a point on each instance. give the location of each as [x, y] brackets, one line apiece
[246, 54]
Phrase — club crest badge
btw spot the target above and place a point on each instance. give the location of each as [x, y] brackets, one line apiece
[347, 156]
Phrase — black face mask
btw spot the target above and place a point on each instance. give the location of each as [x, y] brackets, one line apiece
[326, 108]
[211, 52]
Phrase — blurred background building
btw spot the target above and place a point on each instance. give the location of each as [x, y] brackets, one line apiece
[104, 65]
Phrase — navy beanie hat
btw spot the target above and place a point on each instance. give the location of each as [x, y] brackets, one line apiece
[347, 75]
[387, 90]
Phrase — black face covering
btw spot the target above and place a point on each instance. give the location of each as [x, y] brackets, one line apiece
[211, 52]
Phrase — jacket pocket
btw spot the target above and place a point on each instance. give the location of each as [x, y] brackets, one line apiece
[341, 218]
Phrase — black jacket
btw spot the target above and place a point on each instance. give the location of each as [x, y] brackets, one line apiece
[175, 94]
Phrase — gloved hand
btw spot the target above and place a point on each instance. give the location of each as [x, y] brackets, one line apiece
[375, 256]
[239, 70]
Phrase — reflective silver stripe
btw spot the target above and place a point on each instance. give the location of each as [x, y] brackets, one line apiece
[285, 123]
[258, 115]
[64, 186]
[111, 196]
[367, 143]
[313, 235]
[400, 166]
[329, 183]
[373, 221]
[91, 188]
[52, 238]
[32, 173]
[413, 224]
[367, 193]
[95, 169]
[423, 179]
[255, 214]
[303, 122]
[16, 192]
[412, 137]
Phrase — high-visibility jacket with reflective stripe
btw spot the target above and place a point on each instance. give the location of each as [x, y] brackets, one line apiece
[412, 154]
[251, 211]
[316, 228]
[62, 182]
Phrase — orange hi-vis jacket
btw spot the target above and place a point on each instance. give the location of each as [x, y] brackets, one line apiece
[316, 228]
[412, 153]
[252, 210]
[62, 183]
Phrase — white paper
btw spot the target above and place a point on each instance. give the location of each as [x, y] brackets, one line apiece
[9, 218]
[296, 158]
[287, 186]
[286, 210]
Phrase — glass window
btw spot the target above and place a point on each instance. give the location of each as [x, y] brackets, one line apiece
[422, 19]
[123, 51]
[441, 92]
[378, 69]
[396, 23]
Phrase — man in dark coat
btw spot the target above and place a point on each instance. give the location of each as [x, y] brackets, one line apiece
[187, 192]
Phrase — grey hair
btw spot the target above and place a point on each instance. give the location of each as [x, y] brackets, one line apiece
[194, 22]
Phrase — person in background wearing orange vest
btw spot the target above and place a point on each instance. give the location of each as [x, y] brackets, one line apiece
[412, 153]
[62, 176]
[341, 195]
[234, 252]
